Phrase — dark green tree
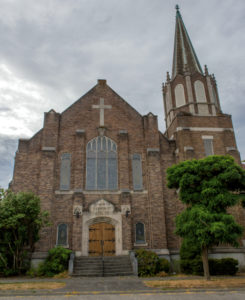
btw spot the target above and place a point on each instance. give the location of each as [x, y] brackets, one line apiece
[20, 222]
[208, 187]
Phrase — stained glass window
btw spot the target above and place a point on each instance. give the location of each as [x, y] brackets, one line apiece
[62, 235]
[101, 164]
[140, 233]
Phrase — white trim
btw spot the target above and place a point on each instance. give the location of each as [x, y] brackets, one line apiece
[207, 137]
[204, 129]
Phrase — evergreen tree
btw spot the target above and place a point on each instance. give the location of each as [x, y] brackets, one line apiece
[208, 187]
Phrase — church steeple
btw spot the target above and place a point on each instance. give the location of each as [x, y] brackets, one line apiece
[189, 91]
[184, 59]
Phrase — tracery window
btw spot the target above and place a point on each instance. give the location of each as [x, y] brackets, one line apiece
[140, 233]
[101, 172]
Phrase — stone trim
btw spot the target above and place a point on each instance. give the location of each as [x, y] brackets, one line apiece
[207, 137]
[153, 151]
[187, 148]
[114, 218]
[48, 148]
[123, 132]
[64, 192]
[231, 149]
[215, 129]
[80, 131]
[141, 245]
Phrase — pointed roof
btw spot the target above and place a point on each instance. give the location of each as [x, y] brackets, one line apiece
[185, 58]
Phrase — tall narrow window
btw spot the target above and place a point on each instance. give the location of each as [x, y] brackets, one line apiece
[65, 170]
[101, 164]
[208, 145]
[140, 233]
[179, 95]
[137, 172]
[62, 236]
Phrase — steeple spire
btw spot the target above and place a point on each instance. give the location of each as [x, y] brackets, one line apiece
[184, 54]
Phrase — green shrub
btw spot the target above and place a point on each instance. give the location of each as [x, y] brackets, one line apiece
[55, 263]
[148, 262]
[223, 266]
[191, 266]
[190, 258]
[163, 265]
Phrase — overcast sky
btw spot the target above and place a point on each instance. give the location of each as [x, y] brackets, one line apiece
[53, 51]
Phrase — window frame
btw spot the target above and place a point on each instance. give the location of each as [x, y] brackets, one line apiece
[109, 143]
[67, 235]
[140, 243]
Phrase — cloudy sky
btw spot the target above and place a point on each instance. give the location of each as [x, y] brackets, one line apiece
[53, 51]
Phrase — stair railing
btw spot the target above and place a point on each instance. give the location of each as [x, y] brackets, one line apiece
[71, 263]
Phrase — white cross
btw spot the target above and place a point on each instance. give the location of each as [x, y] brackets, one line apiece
[102, 106]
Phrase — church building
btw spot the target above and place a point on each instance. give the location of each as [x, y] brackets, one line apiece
[99, 167]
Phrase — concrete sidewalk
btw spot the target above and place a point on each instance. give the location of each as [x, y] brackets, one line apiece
[82, 285]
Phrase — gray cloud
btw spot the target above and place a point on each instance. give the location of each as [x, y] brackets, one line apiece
[53, 51]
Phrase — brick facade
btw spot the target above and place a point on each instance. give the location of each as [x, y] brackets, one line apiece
[38, 161]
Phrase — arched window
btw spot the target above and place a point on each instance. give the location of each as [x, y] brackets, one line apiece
[179, 95]
[140, 233]
[62, 235]
[200, 91]
[101, 164]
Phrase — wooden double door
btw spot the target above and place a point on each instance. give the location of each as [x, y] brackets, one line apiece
[102, 239]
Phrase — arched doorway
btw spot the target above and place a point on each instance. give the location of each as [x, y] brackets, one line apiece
[102, 239]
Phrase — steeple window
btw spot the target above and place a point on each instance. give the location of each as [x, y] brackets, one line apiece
[179, 95]
[200, 91]
[101, 164]
[208, 145]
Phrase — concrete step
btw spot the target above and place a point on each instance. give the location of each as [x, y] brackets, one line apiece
[106, 266]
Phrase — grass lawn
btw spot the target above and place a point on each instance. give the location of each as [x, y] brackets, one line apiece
[31, 285]
[228, 282]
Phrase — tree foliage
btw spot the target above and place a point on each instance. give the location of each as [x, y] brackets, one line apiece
[208, 187]
[20, 222]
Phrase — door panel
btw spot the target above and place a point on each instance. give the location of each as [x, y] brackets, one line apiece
[101, 239]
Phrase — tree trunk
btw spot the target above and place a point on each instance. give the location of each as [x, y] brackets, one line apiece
[205, 262]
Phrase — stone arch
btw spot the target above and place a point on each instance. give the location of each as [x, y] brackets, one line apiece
[102, 211]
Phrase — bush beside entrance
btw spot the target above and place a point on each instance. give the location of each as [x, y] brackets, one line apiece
[149, 264]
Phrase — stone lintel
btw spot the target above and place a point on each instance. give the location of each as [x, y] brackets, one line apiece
[78, 191]
[188, 148]
[80, 131]
[64, 192]
[231, 149]
[51, 149]
[123, 132]
[153, 151]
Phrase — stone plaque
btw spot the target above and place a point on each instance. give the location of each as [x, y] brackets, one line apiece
[102, 208]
